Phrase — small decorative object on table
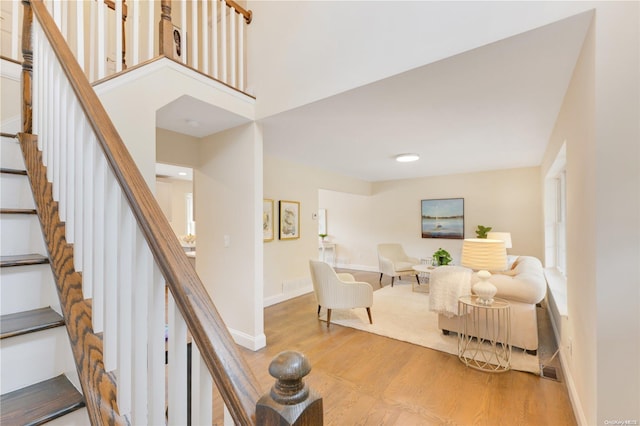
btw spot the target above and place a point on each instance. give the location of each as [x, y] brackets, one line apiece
[482, 231]
[441, 257]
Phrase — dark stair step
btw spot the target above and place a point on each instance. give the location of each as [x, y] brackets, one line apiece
[13, 171]
[40, 403]
[28, 322]
[18, 211]
[23, 260]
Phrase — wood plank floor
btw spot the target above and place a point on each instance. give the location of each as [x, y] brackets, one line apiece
[366, 379]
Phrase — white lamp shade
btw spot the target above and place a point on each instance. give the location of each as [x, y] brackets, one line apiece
[484, 254]
[504, 236]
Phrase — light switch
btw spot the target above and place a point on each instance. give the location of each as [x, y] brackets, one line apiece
[227, 241]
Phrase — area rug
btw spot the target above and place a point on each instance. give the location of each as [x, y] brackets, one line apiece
[402, 314]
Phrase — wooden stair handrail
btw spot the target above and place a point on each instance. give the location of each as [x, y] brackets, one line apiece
[231, 374]
[248, 15]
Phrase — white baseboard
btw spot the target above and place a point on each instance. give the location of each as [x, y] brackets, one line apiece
[250, 342]
[356, 267]
[278, 298]
[566, 372]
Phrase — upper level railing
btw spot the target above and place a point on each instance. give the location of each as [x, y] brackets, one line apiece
[109, 36]
[129, 257]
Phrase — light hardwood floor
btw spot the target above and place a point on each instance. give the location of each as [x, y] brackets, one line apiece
[366, 379]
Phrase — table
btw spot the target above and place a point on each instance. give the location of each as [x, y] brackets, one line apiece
[324, 247]
[421, 269]
[484, 342]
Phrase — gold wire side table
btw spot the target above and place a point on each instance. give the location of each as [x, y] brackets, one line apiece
[484, 342]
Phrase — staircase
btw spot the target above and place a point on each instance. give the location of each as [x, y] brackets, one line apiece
[39, 383]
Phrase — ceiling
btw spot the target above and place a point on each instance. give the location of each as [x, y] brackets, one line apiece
[490, 108]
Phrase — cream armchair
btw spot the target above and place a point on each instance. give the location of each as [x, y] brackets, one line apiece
[393, 261]
[339, 291]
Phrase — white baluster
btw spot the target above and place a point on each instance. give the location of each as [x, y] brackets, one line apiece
[57, 107]
[126, 258]
[150, 28]
[88, 235]
[15, 29]
[201, 390]
[183, 26]
[214, 38]
[232, 44]
[204, 13]
[241, 28]
[36, 102]
[157, 321]
[135, 16]
[61, 167]
[93, 41]
[142, 287]
[111, 264]
[194, 34]
[177, 365]
[71, 166]
[80, 34]
[118, 24]
[99, 202]
[64, 19]
[101, 50]
[78, 181]
[223, 39]
[57, 13]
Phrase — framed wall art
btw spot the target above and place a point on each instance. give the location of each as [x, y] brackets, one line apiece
[267, 220]
[289, 219]
[443, 218]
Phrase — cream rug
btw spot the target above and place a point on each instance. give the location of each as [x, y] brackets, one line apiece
[402, 314]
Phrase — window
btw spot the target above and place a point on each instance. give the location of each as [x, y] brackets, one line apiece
[556, 214]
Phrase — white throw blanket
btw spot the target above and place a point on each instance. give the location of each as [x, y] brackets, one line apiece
[446, 285]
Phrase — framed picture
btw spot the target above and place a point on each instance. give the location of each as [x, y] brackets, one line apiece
[267, 220]
[443, 218]
[289, 219]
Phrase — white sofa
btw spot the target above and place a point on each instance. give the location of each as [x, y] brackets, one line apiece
[524, 286]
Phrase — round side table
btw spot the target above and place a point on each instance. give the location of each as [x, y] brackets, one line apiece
[485, 340]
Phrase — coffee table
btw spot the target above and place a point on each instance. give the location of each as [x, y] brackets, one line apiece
[424, 270]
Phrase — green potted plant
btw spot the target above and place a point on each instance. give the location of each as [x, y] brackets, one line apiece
[322, 236]
[482, 231]
[441, 257]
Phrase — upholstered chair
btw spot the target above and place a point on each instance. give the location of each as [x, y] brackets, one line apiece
[339, 291]
[393, 261]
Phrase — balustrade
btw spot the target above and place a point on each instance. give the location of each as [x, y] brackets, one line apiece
[109, 36]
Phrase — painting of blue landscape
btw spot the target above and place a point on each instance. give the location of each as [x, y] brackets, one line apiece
[443, 218]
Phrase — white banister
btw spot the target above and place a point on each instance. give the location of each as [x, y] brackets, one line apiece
[80, 33]
[232, 45]
[183, 27]
[223, 39]
[194, 38]
[204, 14]
[135, 22]
[119, 35]
[15, 8]
[101, 57]
[214, 38]
[156, 294]
[240, 85]
[177, 382]
[97, 175]
[111, 268]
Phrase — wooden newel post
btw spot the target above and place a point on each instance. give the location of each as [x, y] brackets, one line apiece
[290, 401]
[166, 29]
[27, 67]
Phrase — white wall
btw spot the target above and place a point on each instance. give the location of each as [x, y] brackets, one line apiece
[286, 262]
[507, 200]
[133, 99]
[229, 215]
[599, 121]
[176, 148]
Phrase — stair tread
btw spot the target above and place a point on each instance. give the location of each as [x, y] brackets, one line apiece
[40, 403]
[13, 171]
[18, 211]
[23, 260]
[29, 321]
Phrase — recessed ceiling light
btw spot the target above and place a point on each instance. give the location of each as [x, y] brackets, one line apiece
[406, 158]
[193, 123]
[182, 173]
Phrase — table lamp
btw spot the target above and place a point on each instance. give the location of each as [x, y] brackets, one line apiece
[504, 236]
[484, 255]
